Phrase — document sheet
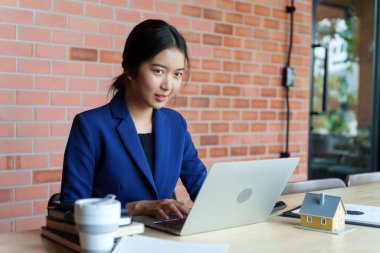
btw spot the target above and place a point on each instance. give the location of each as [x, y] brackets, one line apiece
[140, 244]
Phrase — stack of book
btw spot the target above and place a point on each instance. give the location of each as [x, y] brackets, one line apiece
[60, 227]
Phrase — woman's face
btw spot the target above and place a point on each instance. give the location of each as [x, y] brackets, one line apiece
[158, 79]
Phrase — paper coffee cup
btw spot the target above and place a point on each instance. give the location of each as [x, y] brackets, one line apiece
[97, 220]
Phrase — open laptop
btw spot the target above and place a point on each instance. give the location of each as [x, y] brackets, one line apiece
[233, 194]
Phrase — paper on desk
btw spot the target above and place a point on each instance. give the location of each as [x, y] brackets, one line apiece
[370, 216]
[143, 244]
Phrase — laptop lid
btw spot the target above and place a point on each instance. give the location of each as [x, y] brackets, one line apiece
[237, 193]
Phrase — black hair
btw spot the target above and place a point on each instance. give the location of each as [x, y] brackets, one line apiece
[146, 40]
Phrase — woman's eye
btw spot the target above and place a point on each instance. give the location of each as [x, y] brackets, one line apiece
[158, 71]
[178, 74]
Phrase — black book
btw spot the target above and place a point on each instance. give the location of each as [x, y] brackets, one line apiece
[67, 216]
[64, 212]
[61, 214]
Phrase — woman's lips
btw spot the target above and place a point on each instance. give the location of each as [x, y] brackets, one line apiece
[161, 98]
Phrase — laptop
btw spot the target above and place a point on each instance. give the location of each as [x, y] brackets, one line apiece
[233, 194]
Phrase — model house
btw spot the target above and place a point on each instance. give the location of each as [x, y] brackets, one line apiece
[320, 211]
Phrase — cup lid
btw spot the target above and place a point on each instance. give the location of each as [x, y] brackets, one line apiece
[97, 206]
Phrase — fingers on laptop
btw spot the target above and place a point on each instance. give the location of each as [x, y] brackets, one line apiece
[170, 207]
[162, 209]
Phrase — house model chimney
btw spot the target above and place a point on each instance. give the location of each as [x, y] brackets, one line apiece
[321, 198]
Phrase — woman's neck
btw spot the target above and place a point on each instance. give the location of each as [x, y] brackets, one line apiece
[141, 115]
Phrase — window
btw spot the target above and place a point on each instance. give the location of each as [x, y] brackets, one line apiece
[351, 116]
[323, 221]
[308, 219]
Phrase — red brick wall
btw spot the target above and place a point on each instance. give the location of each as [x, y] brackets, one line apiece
[57, 58]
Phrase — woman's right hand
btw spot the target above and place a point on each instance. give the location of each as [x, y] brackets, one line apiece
[160, 209]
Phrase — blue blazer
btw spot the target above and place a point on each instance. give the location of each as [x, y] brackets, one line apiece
[104, 156]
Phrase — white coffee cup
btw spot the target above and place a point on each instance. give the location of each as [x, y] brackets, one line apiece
[97, 220]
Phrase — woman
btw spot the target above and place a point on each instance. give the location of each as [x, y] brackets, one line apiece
[133, 147]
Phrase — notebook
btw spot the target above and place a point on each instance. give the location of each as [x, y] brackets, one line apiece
[233, 194]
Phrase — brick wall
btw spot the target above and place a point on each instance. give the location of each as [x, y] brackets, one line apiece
[58, 57]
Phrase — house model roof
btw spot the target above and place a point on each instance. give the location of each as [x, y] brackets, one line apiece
[320, 205]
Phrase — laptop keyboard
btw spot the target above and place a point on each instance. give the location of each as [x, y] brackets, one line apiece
[175, 224]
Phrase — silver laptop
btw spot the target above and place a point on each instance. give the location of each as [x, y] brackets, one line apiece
[233, 194]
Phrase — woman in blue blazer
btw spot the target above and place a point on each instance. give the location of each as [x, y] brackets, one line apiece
[133, 147]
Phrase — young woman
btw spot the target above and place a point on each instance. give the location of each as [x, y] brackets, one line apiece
[133, 147]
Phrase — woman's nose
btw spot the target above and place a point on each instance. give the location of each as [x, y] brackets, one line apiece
[167, 84]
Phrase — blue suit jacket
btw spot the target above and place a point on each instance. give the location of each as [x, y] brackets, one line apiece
[104, 156]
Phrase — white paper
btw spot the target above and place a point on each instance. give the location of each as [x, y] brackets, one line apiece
[145, 244]
[371, 214]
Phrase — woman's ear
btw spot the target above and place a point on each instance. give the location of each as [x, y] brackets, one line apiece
[127, 74]
[130, 75]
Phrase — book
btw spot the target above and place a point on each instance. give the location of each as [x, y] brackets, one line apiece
[65, 211]
[66, 234]
[68, 240]
[129, 229]
[61, 214]
[67, 215]
[60, 225]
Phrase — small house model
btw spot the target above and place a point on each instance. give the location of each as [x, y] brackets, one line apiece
[323, 212]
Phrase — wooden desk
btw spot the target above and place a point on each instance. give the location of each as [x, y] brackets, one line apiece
[275, 235]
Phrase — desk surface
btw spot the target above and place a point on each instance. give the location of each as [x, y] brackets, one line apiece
[275, 235]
